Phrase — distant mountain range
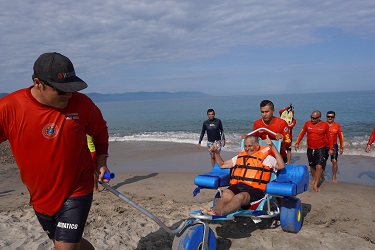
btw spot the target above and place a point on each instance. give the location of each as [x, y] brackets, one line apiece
[141, 96]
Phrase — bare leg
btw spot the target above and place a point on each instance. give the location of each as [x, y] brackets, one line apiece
[228, 203]
[334, 170]
[288, 156]
[83, 245]
[312, 171]
[318, 173]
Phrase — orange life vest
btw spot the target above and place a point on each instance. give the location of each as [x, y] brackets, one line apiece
[249, 169]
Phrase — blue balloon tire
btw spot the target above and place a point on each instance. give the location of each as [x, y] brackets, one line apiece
[192, 239]
[291, 217]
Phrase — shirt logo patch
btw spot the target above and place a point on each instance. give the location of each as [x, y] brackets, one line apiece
[72, 116]
[50, 130]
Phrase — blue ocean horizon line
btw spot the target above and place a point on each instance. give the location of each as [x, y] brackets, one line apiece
[354, 146]
[180, 120]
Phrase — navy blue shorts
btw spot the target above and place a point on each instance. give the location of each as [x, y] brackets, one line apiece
[317, 156]
[335, 152]
[68, 223]
[255, 193]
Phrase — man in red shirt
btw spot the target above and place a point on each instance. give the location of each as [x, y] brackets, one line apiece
[370, 141]
[275, 124]
[336, 132]
[46, 125]
[319, 142]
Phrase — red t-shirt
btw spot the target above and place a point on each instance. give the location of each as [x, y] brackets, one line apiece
[50, 146]
[276, 125]
[335, 130]
[318, 135]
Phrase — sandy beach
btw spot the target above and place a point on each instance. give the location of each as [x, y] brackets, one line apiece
[160, 179]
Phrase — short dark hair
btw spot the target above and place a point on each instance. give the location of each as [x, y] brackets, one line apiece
[267, 102]
[210, 110]
[331, 113]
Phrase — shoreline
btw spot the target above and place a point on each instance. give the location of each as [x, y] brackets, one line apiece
[161, 179]
[164, 157]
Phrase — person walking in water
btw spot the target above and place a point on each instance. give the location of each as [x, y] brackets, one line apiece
[336, 132]
[215, 133]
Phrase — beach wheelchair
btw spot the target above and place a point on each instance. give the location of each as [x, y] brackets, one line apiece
[289, 182]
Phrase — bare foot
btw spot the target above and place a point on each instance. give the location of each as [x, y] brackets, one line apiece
[316, 189]
[207, 211]
[334, 180]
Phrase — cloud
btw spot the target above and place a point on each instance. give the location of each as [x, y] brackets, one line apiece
[103, 36]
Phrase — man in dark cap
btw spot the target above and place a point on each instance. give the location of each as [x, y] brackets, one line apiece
[46, 125]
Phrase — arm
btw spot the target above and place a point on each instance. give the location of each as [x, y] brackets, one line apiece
[294, 122]
[300, 137]
[219, 160]
[279, 159]
[202, 135]
[341, 139]
[372, 138]
[222, 133]
[101, 147]
[370, 141]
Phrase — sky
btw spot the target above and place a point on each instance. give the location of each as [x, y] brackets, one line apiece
[234, 47]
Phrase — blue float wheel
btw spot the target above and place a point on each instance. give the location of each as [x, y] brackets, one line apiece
[291, 215]
[192, 239]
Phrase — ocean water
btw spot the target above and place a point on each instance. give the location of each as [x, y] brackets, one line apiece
[180, 121]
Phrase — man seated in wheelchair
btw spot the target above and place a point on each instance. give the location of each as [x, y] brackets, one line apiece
[250, 171]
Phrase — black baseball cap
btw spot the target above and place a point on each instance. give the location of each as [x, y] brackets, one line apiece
[58, 71]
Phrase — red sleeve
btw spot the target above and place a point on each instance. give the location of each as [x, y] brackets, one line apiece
[294, 122]
[372, 138]
[301, 134]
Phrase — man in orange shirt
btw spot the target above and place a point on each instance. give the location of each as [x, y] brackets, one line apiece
[273, 123]
[319, 142]
[335, 131]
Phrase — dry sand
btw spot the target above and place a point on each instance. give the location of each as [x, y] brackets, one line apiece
[339, 217]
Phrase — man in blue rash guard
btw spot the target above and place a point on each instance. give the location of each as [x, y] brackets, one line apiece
[215, 133]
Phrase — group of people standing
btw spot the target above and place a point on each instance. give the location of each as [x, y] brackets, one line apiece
[324, 138]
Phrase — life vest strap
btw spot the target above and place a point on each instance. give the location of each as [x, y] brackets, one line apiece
[241, 178]
[253, 168]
